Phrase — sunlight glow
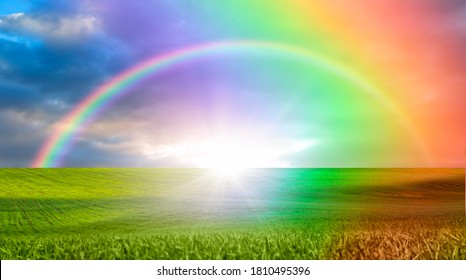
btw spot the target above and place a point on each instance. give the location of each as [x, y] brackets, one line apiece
[228, 156]
[228, 173]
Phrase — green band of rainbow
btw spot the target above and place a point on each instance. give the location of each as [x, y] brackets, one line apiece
[56, 146]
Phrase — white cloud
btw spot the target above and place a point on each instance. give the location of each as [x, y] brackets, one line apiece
[51, 27]
[15, 16]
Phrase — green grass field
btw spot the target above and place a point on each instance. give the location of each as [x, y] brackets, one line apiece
[264, 214]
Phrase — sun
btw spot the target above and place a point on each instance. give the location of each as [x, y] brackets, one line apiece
[234, 159]
[227, 160]
[229, 155]
[228, 173]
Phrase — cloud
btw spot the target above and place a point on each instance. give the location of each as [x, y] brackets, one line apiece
[17, 96]
[50, 58]
[51, 27]
[22, 133]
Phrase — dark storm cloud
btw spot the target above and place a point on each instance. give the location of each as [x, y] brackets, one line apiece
[91, 153]
[69, 68]
[17, 96]
[50, 58]
[21, 135]
[65, 73]
[57, 52]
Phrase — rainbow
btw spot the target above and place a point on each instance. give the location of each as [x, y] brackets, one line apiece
[58, 144]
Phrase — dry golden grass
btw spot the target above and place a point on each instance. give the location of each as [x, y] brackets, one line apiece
[404, 239]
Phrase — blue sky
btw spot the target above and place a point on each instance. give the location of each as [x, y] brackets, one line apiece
[11, 7]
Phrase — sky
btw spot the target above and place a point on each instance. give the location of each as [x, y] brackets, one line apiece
[291, 83]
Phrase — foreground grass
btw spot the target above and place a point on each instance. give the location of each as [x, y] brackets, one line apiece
[275, 214]
[391, 239]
